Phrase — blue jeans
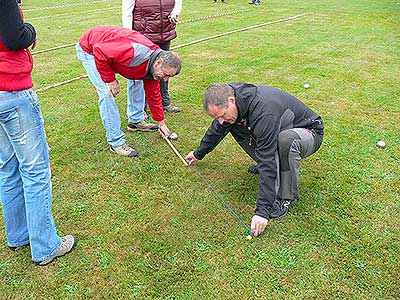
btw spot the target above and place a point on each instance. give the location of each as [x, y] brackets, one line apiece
[25, 187]
[108, 107]
[136, 101]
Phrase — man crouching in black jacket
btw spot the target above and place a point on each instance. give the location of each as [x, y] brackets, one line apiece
[274, 128]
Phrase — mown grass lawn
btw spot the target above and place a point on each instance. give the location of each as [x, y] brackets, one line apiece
[149, 228]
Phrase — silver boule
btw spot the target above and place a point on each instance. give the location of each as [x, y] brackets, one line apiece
[381, 144]
[173, 136]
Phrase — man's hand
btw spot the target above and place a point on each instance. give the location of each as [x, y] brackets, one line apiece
[164, 129]
[174, 19]
[113, 87]
[258, 224]
[191, 159]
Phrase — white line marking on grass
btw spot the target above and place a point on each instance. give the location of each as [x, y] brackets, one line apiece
[65, 5]
[191, 43]
[93, 11]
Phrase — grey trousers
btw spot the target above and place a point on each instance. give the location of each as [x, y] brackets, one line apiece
[166, 100]
[293, 145]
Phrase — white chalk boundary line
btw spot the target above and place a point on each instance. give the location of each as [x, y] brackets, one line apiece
[90, 12]
[65, 5]
[183, 22]
[240, 30]
[191, 43]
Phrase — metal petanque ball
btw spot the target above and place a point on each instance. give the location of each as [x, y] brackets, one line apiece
[173, 136]
[381, 144]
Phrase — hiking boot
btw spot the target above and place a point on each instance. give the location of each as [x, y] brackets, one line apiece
[142, 126]
[253, 169]
[124, 150]
[280, 208]
[68, 243]
[171, 109]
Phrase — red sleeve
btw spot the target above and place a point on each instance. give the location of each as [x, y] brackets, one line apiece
[153, 97]
[103, 61]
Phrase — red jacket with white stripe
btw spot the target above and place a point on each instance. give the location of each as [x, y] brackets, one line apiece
[126, 52]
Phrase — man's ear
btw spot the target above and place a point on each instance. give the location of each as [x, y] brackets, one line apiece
[158, 62]
[232, 100]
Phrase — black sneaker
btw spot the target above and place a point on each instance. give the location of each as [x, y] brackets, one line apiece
[280, 208]
[253, 169]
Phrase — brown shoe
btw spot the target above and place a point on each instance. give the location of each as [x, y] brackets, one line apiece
[142, 126]
[124, 150]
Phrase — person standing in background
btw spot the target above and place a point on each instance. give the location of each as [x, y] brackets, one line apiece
[25, 186]
[156, 20]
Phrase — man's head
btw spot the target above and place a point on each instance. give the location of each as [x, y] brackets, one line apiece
[220, 103]
[166, 65]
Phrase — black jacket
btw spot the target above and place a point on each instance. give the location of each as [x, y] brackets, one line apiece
[266, 111]
[14, 33]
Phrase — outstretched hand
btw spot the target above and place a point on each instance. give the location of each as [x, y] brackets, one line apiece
[164, 129]
[191, 159]
[258, 224]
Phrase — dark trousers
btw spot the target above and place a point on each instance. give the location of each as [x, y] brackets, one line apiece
[293, 145]
[166, 100]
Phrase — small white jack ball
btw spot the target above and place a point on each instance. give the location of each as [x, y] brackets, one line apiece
[173, 136]
[59, 26]
[306, 85]
[381, 144]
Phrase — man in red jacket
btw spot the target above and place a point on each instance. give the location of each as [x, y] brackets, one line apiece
[25, 187]
[107, 50]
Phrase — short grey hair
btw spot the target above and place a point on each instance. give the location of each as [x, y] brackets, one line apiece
[217, 94]
[171, 60]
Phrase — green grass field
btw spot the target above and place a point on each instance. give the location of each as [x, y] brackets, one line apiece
[149, 229]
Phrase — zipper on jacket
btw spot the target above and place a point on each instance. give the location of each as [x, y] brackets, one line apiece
[162, 20]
